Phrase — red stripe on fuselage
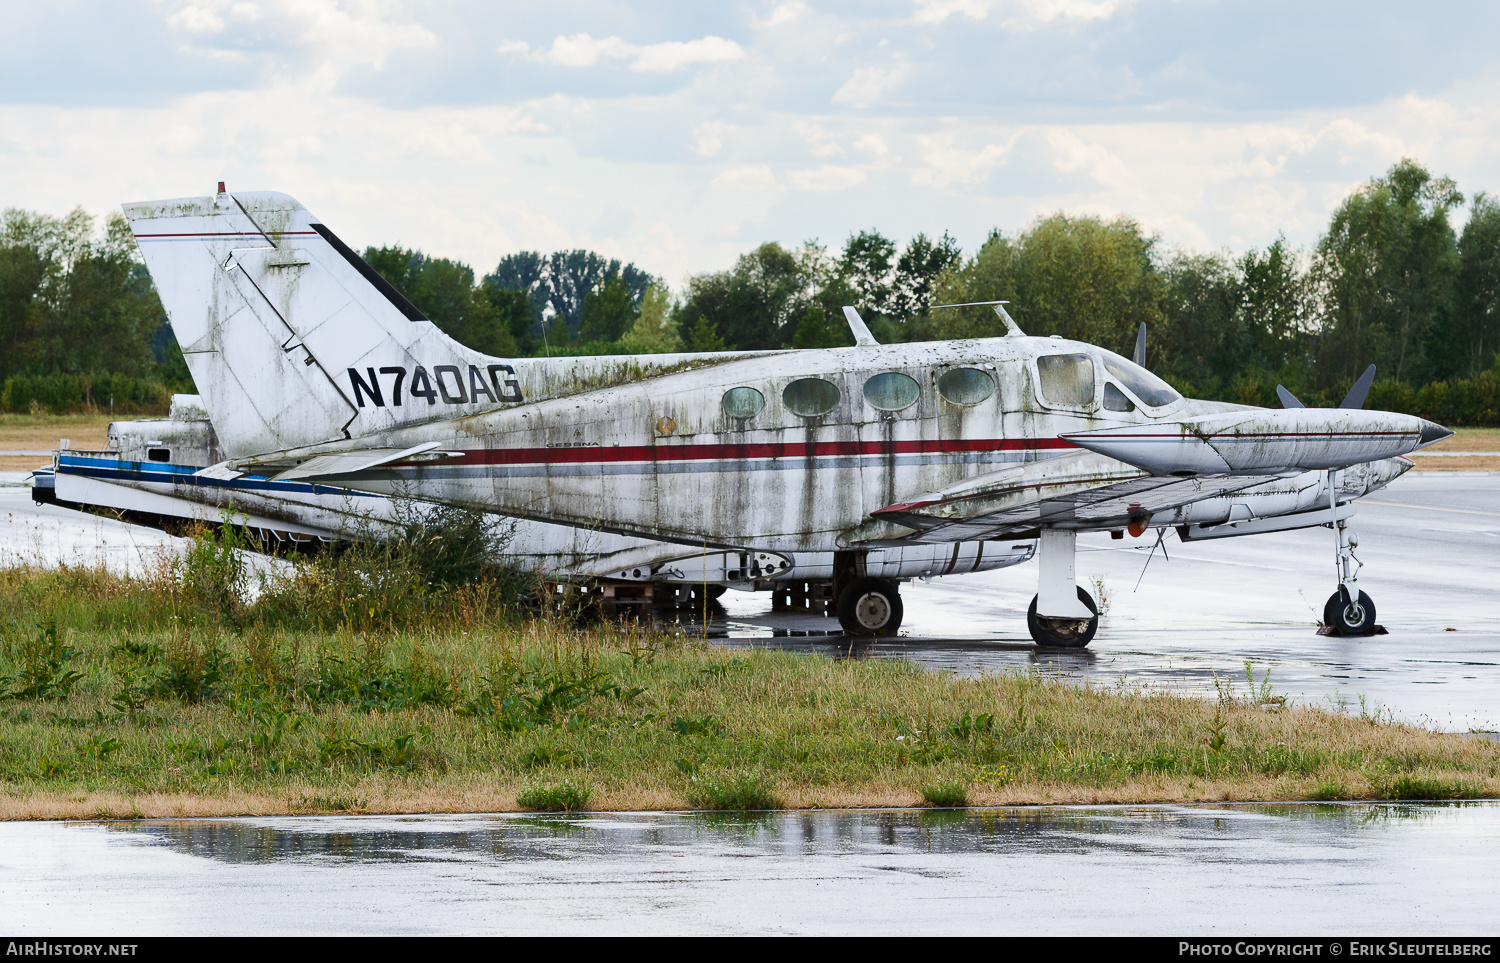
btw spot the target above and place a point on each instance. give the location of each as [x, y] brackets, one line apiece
[224, 234]
[667, 451]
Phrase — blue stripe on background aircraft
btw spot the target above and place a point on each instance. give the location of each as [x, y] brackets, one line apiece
[865, 465]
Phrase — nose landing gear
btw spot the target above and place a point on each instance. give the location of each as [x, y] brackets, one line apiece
[1347, 611]
[1349, 614]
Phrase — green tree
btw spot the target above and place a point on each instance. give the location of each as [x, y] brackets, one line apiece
[702, 336]
[608, 311]
[753, 305]
[1475, 335]
[1078, 277]
[72, 302]
[1386, 271]
[655, 328]
[516, 313]
[444, 291]
[1225, 318]
[559, 284]
[815, 329]
[917, 269]
[866, 264]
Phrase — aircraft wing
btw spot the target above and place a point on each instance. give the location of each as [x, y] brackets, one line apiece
[1082, 491]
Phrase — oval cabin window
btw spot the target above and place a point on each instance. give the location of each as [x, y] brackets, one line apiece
[966, 386]
[743, 402]
[891, 391]
[810, 397]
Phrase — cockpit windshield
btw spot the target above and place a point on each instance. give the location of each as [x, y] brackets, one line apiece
[1143, 384]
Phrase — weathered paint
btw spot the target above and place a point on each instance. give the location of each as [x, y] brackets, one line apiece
[278, 326]
[125, 478]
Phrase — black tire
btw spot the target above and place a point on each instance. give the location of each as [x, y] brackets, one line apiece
[1063, 633]
[870, 607]
[1356, 619]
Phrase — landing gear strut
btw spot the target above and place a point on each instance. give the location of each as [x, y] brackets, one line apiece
[870, 606]
[1347, 611]
[1062, 615]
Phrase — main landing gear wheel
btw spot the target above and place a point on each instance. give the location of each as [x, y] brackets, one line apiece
[1348, 616]
[1063, 633]
[870, 606]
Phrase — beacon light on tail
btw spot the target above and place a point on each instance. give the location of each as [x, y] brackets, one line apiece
[315, 370]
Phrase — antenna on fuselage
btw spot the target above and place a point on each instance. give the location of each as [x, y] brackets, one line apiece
[1012, 330]
[862, 336]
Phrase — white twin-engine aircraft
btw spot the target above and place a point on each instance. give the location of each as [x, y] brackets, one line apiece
[868, 465]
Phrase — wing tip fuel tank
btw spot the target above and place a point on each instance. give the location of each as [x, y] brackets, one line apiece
[1263, 441]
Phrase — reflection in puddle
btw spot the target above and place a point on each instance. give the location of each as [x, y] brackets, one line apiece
[1162, 830]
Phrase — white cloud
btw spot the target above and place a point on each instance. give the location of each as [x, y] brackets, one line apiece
[661, 57]
[945, 165]
[706, 138]
[783, 13]
[195, 19]
[870, 84]
[1020, 12]
[339, 35]
[826, 178]
[583, 50]
[757, 178]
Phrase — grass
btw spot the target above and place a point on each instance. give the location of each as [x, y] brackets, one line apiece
[1470, 439]
[41, 433]
[369, 684]
[948, 794]
[734, 791]
[1464, 439]
[565, 797]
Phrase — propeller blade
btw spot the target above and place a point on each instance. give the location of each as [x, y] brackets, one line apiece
[1140, 346]
[1356, 396]
[1288, 400]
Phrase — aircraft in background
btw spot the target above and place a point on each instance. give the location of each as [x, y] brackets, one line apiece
[315, 370]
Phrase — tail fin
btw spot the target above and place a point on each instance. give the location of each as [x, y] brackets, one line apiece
[292, 339]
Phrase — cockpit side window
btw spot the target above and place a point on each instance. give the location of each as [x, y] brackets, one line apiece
[1115, 400]
[1146, 386]
[1066, 379]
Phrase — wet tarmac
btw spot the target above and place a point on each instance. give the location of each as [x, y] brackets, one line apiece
[1356, 869]
[1431, 547]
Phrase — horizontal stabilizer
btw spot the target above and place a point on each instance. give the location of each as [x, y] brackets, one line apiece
[350, 462]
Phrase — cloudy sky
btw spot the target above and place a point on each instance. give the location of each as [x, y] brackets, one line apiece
[679, 135]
